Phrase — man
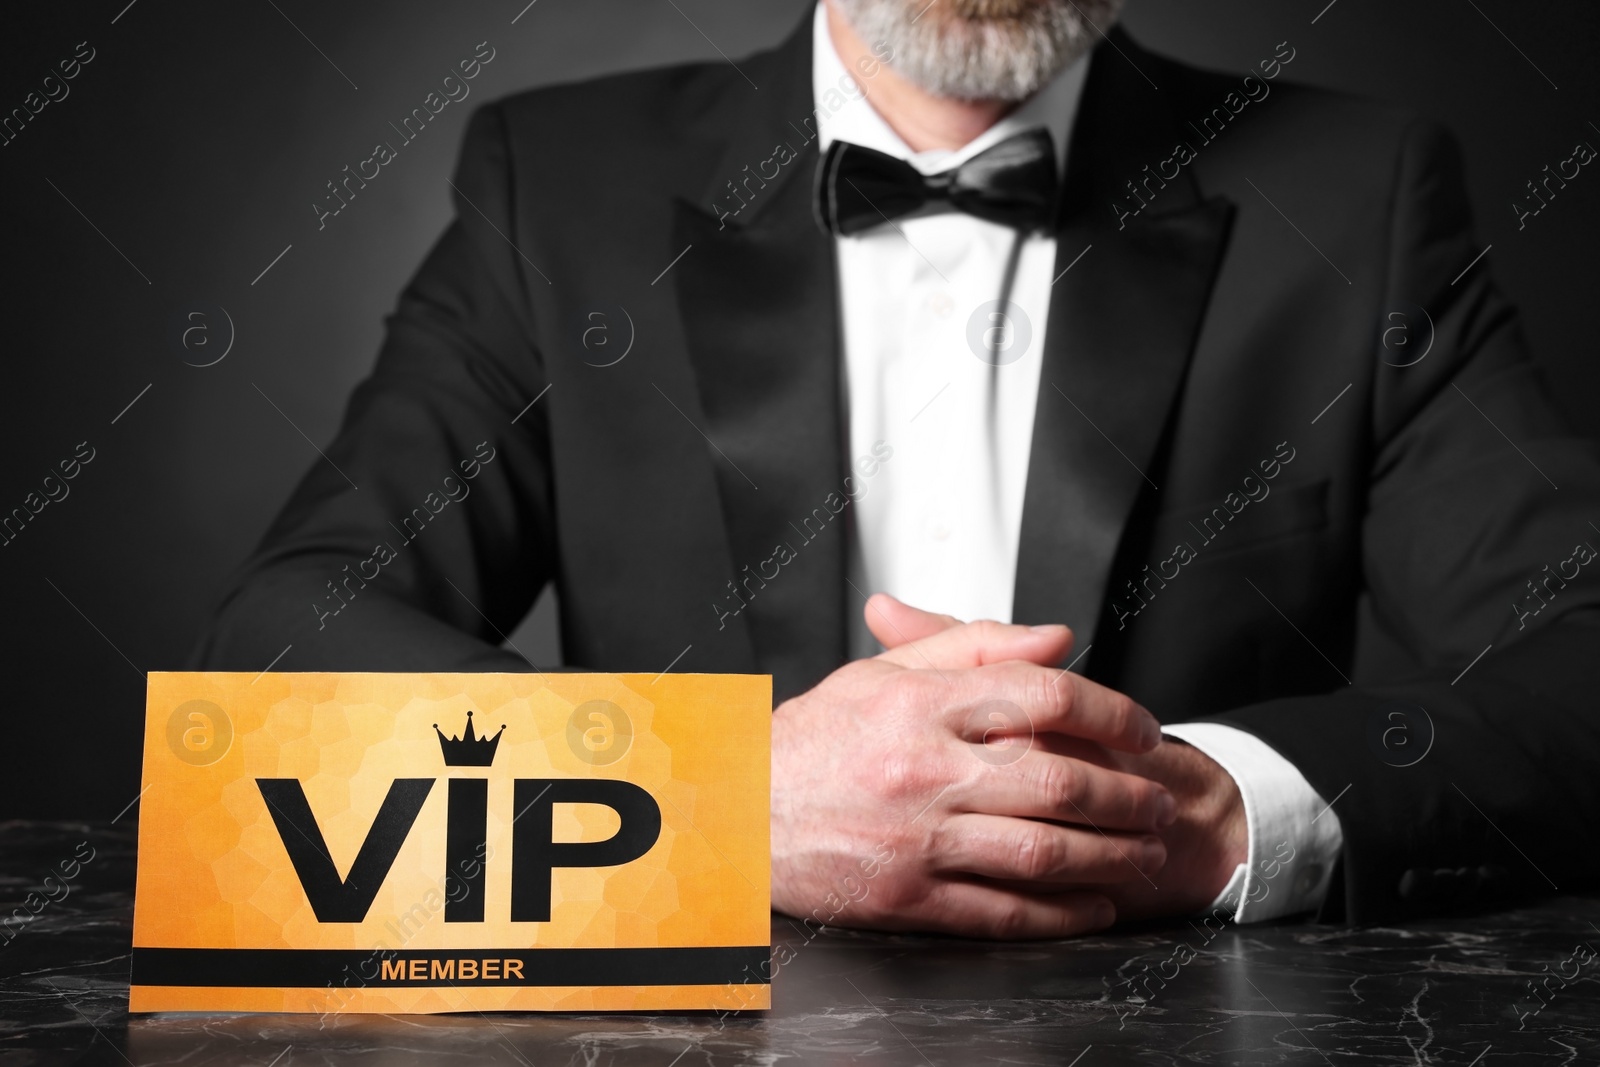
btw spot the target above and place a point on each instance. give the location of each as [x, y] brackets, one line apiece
[683, 349]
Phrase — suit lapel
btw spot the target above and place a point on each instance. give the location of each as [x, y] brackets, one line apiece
[756, 293]
[1122, 326]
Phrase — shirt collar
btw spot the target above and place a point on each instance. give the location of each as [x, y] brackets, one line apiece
[844, 110]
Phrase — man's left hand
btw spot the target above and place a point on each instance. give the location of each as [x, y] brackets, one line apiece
[1206, 843]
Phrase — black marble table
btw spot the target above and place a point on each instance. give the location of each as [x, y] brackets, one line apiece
[1451, 992]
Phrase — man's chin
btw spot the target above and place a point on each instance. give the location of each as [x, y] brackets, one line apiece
[996, 10]
[982, 49]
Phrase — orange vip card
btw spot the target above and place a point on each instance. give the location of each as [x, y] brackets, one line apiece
[453, 842]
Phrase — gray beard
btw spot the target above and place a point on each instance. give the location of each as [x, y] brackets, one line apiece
[981, 49]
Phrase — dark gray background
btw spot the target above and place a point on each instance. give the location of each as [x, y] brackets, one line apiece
[201, 133]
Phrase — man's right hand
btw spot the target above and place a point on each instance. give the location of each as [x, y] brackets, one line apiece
[908, 785]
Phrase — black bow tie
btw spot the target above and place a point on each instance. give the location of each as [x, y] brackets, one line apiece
[1013, 184]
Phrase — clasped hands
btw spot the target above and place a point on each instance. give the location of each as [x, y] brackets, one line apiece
[963, 783]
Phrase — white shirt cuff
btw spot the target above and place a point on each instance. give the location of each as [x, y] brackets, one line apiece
[1294, 834]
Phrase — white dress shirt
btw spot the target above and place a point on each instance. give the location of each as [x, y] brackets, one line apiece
[937, 370]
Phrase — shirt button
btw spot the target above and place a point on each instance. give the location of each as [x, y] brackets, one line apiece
[939, 530]
[940, 305]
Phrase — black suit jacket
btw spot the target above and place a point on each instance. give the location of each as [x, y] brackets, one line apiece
[1193, 346]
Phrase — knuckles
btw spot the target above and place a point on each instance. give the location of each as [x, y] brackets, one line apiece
[1011, 922]
[894, 895]
[987, 633]
[904, 777]
[1027, 684]
[1047, 694]
[1059, 783]
[1065, 695]
[1038, 854]
[910, 692]
[1142, 805]
[1125, 714]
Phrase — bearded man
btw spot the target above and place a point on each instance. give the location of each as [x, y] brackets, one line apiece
[1030, 407]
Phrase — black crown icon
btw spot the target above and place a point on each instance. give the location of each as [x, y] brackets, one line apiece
[468, 750]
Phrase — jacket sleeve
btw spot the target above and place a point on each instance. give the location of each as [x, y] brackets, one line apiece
[1468, 778]
[425, 532]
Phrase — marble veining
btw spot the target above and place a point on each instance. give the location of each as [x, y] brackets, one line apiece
[1453, 992]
